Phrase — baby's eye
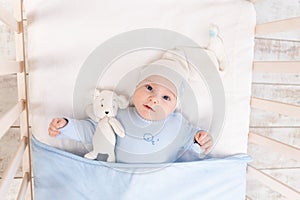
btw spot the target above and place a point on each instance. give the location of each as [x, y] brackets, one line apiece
[149, 87]
[101, 105]
[167, 98]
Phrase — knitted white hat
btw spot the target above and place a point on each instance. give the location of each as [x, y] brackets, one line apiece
[161, 80]
[170, 71]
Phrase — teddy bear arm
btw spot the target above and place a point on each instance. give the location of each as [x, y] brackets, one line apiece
[117, 127]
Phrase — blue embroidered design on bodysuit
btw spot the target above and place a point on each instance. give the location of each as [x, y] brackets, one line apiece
[148, 137]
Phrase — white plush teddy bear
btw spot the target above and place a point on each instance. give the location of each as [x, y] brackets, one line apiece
[103, 110]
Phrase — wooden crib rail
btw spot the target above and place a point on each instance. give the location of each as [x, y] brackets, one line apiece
[274, 145]
[275, 106]
[279, 26]
[8, 19]
[273, 183]
[20, 110]
[276, 66]
[288, 150]
[13, 166]
[285, 25]
[11, 67]
[10, 117]
[24, 186]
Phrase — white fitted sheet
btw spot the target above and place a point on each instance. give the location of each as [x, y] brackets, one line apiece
[62, 34]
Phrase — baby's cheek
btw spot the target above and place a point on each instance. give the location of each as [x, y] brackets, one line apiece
[171, 109]
[159, 113]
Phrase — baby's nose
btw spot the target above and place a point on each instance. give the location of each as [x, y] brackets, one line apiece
[153, 99]
[106, 112]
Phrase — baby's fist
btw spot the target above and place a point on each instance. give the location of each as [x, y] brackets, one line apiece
[55, 125]
[205, 140]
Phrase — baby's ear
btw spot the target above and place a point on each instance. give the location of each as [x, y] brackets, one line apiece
[122, 101]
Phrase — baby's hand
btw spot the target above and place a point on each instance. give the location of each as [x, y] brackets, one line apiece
[204, 140]
[55, 125]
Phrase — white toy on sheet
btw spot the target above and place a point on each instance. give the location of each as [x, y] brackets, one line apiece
[103, 110]
[216, 45]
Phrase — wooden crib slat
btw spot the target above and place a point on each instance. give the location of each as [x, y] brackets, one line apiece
[22, 90]
[273, 183]
[274, 145]
[277, 66]
[274, 106]
[10, 117]
[10, 67]
[12, 168]
[24, 186]
[9, 20]
[279, 26]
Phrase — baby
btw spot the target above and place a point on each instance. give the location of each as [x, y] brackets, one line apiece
[155, 133]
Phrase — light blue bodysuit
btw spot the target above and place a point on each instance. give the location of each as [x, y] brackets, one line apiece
[145, 141]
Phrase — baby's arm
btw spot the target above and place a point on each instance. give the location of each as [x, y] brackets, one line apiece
[78, 130]
[205, 140]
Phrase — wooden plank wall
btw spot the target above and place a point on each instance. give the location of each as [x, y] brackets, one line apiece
[8, 97]
[281, 87]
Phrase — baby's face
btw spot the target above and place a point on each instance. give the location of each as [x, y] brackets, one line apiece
[154, 101]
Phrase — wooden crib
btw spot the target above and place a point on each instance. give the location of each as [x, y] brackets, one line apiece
[17, 23]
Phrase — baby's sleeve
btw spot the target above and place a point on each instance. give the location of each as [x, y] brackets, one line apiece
[191, 132]
[78, 130]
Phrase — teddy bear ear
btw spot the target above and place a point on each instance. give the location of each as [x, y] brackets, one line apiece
[97, 92]
[122, 101]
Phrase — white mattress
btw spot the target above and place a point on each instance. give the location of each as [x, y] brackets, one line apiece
[63, 34]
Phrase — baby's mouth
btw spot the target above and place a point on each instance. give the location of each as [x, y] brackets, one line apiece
[148, 107]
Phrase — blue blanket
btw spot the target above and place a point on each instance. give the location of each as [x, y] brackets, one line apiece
[59, 175]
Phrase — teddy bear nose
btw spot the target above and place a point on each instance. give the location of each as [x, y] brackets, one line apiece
[106, 112]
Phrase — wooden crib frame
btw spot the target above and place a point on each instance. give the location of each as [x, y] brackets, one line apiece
[20, 111]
